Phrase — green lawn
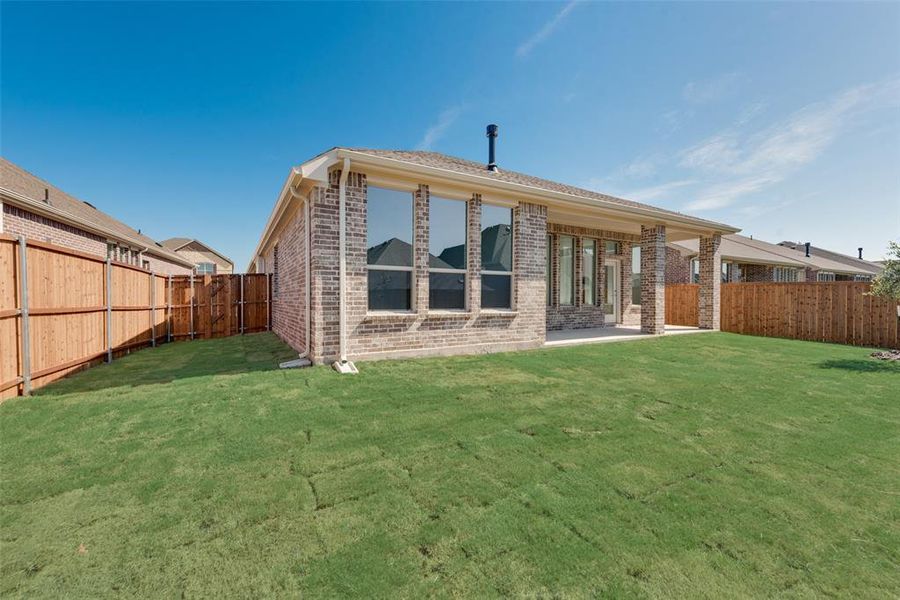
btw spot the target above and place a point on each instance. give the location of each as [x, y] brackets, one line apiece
[709, 465]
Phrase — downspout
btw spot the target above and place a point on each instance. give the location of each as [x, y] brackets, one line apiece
[342, 365]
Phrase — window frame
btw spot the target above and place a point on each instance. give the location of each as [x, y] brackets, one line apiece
[411, 269]
[778, 274]
[585, 242]
[439, 270]
[512, 260]
[828, 277]
[198, 271]
[562, 270]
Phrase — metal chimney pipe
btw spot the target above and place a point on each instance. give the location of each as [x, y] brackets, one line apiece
[860, 253]
[492, 131]
[807, 248]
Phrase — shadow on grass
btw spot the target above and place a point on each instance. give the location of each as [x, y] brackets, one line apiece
[863, 365]
[179, 360]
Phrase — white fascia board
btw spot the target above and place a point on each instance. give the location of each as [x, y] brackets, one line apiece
[646, 214]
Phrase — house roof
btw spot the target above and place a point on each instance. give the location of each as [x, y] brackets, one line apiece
[740, 248]
[177, 243]
[21, 188]
[866, 265]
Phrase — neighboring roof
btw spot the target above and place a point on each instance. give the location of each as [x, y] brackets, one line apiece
[866, 265]
[177, 243]
[23, 188]
[739, 248]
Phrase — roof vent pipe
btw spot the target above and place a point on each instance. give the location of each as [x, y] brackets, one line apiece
[807, 249]
[860, 253]
[492, 131]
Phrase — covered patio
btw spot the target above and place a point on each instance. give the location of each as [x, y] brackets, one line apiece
[618, 333]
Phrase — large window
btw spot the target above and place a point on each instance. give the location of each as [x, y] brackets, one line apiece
[636, 275]
[390, 249]
[496, 257]
[206, 268]
[589, 271]
[446, 254]
[825, 276]
[782, 274]
[566, 270]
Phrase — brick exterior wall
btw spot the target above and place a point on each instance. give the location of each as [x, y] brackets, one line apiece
[580, 315]
[710, 258]
[678, 267]
[420, 331]
[757, 273]
[653, 279]
[17, 221]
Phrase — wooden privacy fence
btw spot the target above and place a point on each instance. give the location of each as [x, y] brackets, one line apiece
[838, 312]
[62, 310]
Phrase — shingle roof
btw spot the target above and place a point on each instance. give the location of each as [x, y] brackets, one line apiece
[174, 243]
[18, 180]
[460, 165]
[844, 259]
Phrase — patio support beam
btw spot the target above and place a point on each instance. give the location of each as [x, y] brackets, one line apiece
[653, 279]
[710, 259]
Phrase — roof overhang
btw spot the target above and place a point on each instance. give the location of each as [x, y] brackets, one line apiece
[46, 210]
[561, 206]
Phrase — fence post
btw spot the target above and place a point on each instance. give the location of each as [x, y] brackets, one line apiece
[169, 309]
[109, 342]
[153, 309]
[23, 312]
[241, 277]
[192, 305]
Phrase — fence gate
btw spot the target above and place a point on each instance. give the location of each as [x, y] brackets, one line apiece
[220, 305]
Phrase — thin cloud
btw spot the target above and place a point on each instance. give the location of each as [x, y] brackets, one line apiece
[710, 90]
[546, 31]
[434, 133]
[658, 191]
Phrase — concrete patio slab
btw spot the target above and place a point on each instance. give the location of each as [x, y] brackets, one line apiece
[619, 333]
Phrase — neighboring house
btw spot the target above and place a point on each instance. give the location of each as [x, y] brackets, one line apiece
[746, 259]
[207, 261]
[743, 259]
[31, 207]
[870, 269]
[382, 253]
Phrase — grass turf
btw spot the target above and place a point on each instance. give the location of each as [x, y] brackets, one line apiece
[712, 465]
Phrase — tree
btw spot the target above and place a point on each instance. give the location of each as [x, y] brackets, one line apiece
[887, 283]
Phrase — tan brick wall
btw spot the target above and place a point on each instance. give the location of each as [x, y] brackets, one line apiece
[653, 279]
[17, 221]
[678, 267]
[198, 254]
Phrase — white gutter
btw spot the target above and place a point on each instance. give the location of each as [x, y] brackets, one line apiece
[343, 365]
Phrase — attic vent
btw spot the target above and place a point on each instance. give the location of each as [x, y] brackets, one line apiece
[47, 195]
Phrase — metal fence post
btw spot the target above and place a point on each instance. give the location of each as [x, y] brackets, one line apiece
[153, 309]
[192, 305]
[109, 342]
[23, 312]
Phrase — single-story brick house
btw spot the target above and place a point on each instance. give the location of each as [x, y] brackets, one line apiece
[869, 269]
[207, 260]
[745, 259]
[384, 253]
[36, 209]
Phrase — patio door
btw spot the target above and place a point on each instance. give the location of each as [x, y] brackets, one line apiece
[612, 284]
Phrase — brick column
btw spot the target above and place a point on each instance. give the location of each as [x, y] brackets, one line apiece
[653, 279]
[420, 250]
[473, 250]
[710, 280]
[625, 280]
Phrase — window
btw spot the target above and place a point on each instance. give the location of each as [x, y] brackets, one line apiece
[549, 270]
[390, 249]
[207, 268]
[636, 275]
[110, 251]
[446, 254]
[695, 270]
[134, 258]
[145, 265]
[782, 274]
[862, 278]
[612, 248]
[589, 271]
[496, 257]
[275, 271]
[566, 270]
[824, 276]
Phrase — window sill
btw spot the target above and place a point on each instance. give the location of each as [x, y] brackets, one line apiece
[499, 312]
[449, 313]
[391, 314]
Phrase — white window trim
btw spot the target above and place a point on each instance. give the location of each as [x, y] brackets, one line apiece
[825, 276]
[584, 287]
[411, 269]
[573, 285]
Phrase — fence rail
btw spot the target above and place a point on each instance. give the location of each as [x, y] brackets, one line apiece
[838, 312]
[62, 310]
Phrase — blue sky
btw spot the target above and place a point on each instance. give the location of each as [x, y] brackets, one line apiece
[184, 119]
